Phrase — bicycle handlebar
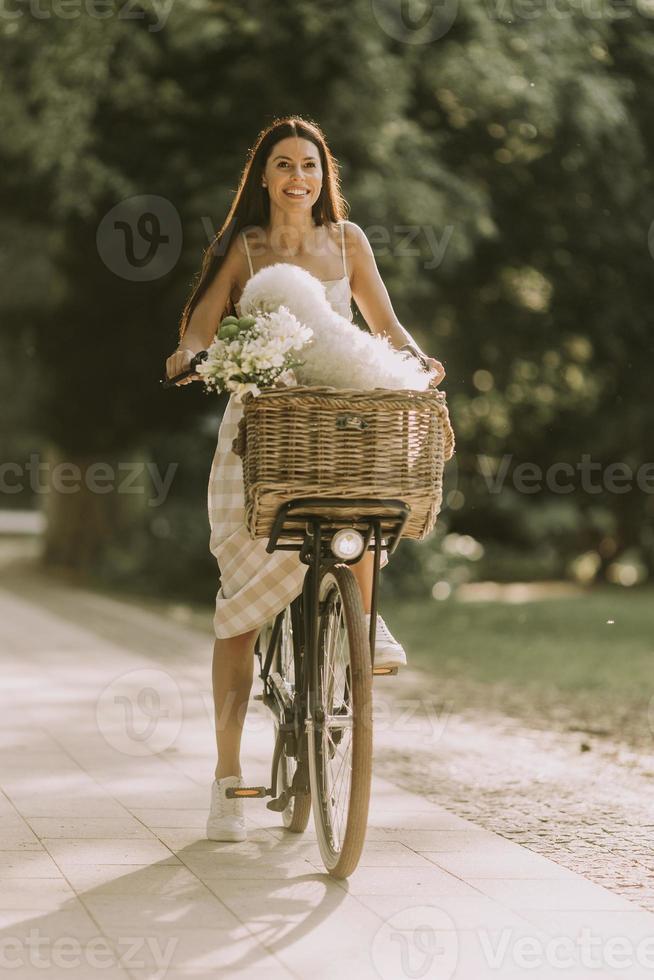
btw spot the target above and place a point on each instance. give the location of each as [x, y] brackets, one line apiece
[197, 359]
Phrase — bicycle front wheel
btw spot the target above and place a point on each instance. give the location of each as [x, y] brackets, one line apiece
[340, 726]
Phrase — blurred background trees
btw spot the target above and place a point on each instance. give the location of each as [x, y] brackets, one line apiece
[502, 172]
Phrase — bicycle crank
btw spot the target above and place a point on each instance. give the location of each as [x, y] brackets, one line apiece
[282, 801]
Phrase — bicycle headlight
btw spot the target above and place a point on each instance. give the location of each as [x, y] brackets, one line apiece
[347, 543]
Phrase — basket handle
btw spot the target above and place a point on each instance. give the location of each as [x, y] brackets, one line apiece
[238, 444]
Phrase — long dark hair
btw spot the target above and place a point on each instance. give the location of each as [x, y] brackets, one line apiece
[251, 205]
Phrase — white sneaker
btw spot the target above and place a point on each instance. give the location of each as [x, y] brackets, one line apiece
[226, 820]
[388, 652]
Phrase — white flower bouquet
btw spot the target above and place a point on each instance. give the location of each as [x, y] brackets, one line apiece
[250, 353]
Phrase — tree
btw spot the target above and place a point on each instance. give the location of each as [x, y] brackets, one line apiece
[501, 172]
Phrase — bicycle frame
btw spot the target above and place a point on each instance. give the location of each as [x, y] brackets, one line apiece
[300, 526]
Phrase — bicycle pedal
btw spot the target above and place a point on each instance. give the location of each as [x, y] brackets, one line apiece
[258, 697]
[240, 791]
[383, 671]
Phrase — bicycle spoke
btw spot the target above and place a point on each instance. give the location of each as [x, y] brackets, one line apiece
[297, 811]
[342, 732]
[344, 782]
[335, 687]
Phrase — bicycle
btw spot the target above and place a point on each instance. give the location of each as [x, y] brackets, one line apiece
[316, 666]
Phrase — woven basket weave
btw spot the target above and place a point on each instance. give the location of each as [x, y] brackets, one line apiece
[329, 442]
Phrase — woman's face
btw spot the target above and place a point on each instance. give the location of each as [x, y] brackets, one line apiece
[294, 164]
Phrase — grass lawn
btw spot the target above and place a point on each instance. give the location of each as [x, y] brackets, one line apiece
[559, 656]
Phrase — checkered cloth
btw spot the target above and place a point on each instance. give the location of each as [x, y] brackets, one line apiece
[254, 586]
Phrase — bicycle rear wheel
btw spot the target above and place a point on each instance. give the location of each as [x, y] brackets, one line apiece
[340, 728]
[295, 816]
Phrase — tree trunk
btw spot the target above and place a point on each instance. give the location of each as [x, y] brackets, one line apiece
[96, 509]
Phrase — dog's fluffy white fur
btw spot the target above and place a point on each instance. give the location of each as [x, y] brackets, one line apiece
[339, 355]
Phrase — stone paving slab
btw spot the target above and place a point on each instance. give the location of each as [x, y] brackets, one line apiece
[102, 840]
[584, 802]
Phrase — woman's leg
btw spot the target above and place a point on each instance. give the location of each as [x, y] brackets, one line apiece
[363, 570]
[232, 675]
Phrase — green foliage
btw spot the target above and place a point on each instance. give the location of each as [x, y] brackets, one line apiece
[518, 149]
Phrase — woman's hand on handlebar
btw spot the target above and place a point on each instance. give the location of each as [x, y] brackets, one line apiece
[438, 371]
[178, 362]
[430, 364]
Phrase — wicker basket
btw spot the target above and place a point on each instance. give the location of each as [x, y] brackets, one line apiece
[311, 441]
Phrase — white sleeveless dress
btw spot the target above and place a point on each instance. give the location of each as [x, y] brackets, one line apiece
[254, 585]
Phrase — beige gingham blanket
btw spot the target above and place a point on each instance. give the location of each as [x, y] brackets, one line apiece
[254, 585]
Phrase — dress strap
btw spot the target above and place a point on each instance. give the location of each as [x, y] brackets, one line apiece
[342, 224]
[247, 252]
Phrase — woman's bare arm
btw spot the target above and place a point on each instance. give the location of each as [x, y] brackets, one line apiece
[371, 296]
[206, 316]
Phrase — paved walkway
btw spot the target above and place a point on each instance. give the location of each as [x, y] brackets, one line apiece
[107, 755]
[585, 802]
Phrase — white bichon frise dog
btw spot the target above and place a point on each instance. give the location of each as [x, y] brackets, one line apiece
[339, 355]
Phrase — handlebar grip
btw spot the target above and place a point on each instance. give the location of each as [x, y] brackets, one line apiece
[422, 361]
[410, 349]
[197, 359]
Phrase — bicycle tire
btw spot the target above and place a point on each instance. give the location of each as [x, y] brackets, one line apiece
[295, 816]
[341, 839]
